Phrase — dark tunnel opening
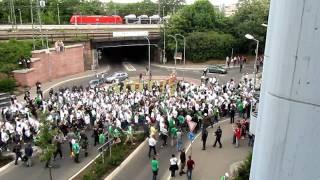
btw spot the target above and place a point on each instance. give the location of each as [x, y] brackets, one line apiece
[117, 55]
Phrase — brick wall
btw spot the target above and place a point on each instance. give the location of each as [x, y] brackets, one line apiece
[49, 66]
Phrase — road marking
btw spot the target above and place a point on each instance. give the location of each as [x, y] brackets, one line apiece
[128, 66]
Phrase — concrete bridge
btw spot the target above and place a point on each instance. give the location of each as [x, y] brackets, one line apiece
[102, 43]
[72, 32]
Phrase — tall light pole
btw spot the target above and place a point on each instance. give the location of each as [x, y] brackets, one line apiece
[175, 52]
[20, 16]
[40, 4]
[149, 70]
[164, 37]
[58, 12]
[184, 47]
[249, 36]
[31, 15]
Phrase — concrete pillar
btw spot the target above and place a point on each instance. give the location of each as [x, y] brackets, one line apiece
[287, 138]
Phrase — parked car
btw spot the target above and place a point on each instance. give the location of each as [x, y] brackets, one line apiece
[116, 77]
[216, 69]
[95, 82]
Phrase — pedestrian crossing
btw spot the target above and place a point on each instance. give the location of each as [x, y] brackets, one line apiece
[129, 67]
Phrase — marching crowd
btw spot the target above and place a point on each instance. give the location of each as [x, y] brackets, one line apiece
[105, 113]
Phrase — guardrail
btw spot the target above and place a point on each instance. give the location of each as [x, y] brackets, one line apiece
[65, 36]
[102, 149]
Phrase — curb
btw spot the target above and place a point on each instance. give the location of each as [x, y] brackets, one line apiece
[125, 162]
[192, 68]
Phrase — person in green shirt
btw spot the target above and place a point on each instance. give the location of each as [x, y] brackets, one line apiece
[76, 151]
[102, 138]
[225, 177]
[154, 167]
[181, 120]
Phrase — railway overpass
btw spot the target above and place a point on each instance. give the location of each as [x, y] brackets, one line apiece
[103, 44]
[71, 33]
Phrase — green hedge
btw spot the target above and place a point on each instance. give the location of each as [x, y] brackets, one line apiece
[7, 85]
[11, 52]
[119, 152]
[243, 172]
[202, 46]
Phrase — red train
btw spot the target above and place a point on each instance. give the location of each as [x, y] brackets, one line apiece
[78, 19]
[115, 19]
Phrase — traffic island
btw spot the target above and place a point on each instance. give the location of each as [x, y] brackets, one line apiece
[104, 164]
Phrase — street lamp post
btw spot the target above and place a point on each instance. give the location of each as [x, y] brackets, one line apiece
[184, 48]
[40, 4]
[20, 16]
[164, 38]
[249, 36]
[31, 15]
[149, 70]
[58, 12]
[175, 52]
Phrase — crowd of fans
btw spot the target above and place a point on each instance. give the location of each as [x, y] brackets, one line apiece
[100, 113]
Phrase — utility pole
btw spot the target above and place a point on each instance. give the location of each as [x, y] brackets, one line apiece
[39, 19]
[159, 8]
[58, 12]
[20, 16]
[164, 38]
[31, 15]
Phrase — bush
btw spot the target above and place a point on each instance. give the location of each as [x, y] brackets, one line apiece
[243, 172]
[119, 153]
[7, 85]
[206, 45]
[11, 52]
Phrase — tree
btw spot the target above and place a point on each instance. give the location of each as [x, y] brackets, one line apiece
[45, 138]
[170, 6]
[203, 25]
[11, 52]
[248, 19]
[206, 45]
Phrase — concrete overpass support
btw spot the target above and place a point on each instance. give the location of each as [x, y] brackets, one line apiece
[287, 139]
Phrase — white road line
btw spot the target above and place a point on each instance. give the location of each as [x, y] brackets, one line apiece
[189, 146]
[128, 66]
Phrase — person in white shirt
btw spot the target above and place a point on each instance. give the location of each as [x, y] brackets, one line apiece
[152, 145]
[173, 165]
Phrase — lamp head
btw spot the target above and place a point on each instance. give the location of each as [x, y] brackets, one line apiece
[249, 36]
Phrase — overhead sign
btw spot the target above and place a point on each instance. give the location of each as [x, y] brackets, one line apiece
[131, 34]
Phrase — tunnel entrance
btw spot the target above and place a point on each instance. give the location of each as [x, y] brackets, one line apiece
[120, 54]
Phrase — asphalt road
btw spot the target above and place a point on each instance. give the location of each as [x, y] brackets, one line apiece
[65, 168]
[158, 71]
[62, 168]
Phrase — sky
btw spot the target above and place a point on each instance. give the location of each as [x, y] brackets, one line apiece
[215, 2]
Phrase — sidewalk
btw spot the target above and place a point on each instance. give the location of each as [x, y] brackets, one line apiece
[212, 163]
[194, 67]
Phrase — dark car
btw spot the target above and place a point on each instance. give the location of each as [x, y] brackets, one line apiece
[95, 82]
[216, 69]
